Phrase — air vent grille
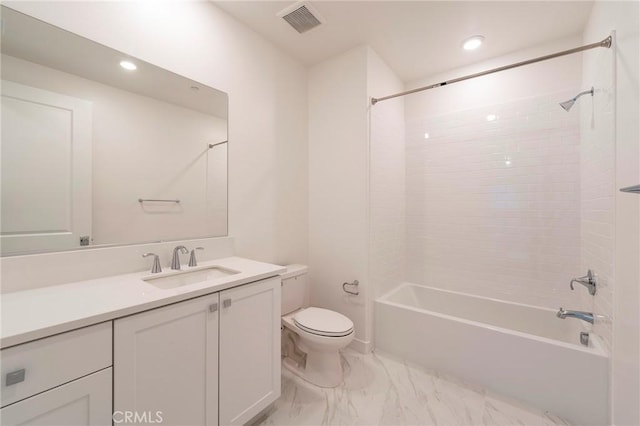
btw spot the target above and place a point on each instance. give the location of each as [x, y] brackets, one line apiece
[302, 19]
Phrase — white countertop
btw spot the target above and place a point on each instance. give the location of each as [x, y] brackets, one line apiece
[33, 314]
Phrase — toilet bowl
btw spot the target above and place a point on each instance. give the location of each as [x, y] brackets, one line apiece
[315, 334]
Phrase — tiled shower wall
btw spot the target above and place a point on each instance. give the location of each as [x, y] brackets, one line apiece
[597, 171]
[493, 206]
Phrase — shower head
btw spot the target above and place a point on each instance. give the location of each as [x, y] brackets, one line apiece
[568, 104]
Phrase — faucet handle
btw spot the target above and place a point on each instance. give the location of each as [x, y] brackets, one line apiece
[588, 281]
[192, 258]
[156, 268]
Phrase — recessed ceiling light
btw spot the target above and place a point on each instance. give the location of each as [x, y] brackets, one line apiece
[492, 117]
[129, 66]
[426, 135]
[472, 43]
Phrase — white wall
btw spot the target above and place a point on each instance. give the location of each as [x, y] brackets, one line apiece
[387, 178]
[144, 148]
[267, 104]
[356, 185]
[338, 187]
[623, 17]
[543, 77]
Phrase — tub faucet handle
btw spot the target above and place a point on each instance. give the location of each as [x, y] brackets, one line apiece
[588, 281]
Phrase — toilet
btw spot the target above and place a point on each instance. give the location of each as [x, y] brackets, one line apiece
[312, 337]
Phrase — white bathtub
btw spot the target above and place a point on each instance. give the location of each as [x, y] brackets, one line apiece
[516, 350]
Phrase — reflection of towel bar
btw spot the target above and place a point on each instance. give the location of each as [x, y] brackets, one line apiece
[142, 200]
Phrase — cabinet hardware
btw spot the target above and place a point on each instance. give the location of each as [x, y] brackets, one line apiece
[15, 377]
[226, 303]
[213, 307]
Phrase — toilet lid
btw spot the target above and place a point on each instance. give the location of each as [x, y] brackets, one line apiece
[323, 322]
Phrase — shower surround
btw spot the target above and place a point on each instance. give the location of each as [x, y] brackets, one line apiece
[493, 201]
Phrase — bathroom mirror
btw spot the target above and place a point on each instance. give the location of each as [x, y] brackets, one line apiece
[96, 153]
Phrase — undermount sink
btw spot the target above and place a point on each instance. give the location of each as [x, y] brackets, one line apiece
[182, 278]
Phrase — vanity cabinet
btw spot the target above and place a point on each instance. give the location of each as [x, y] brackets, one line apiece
[209, 360]
[166, 363]
[62, 379]
[249, 350]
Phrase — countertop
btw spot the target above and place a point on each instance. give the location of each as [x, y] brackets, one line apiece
[34, 314]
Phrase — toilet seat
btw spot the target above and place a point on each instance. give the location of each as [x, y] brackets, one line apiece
[323, 322]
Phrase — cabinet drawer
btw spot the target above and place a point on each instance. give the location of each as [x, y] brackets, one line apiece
[36, 366]
[82, 402]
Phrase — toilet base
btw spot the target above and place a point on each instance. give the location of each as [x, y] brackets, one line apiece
[322, 369]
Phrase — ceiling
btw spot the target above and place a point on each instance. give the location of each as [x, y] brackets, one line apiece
[416, 38]
[30, 39]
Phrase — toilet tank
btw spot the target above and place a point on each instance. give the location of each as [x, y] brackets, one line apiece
[294, 288]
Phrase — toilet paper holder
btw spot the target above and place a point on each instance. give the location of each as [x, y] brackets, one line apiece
[354, 284]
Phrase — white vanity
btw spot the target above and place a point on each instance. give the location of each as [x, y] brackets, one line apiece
[175, 348]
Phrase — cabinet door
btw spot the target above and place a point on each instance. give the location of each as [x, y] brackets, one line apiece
[249, 350]
[86, 401]
[166, 363]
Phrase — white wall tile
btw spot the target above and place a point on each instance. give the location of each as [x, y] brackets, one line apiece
[493, 207]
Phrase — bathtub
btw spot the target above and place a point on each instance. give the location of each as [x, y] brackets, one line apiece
[520, 351]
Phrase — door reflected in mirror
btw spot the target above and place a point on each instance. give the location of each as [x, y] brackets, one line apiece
[99, 148]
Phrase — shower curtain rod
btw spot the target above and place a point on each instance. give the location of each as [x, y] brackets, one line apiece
[604, 43]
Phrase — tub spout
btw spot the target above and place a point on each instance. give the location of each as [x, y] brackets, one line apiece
[584, 316]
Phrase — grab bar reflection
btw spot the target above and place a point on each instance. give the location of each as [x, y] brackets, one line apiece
[143, 200]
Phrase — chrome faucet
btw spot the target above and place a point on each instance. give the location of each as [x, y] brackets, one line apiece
[589, 281]
[584, 316]
[175, 261]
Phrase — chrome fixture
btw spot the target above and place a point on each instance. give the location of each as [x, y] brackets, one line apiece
[584, 338]
[353, 284]
[211, 145]
[156, 268]
[589, 281]
[144, 200]
[604, 43]
[584, 316]
[175, 261]
[635, 189]
[568, 104]
[192, 259]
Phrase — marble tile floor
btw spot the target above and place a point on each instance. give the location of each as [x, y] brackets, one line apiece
[380, 390]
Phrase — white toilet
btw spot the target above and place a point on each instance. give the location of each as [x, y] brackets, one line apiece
[312, 336]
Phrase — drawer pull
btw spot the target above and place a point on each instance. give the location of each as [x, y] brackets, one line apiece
[213, 307]
[15, 377]
[226, 303]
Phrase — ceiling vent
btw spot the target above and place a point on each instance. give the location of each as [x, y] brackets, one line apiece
[301, 16]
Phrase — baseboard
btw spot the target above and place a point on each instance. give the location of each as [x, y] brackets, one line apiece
[361, 346]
